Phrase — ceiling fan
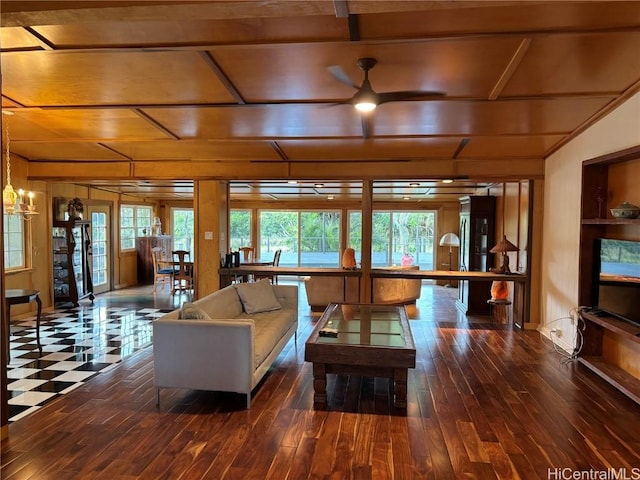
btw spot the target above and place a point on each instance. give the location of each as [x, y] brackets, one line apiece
[366, 98]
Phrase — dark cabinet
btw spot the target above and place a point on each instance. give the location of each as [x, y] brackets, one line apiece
[477, 237]
[145, 261]
[72, 261]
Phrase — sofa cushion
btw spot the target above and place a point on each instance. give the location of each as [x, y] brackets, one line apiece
[189, 311]
[258, 297]
[269, 328]
[221, 304]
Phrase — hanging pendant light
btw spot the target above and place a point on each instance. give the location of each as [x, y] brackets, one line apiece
[15, 203]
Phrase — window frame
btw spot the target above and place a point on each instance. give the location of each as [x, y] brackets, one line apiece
[25, 243]
[139, 225]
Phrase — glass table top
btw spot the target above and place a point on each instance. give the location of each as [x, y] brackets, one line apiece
[378, 325]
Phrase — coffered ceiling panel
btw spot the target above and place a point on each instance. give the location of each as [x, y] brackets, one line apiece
[15, 37]
[110, 78]
[376, 149]
[195, 32]
[65, 151]
[484, 18]
[516, 146]
[81, 124]
[456, 67]
[195, 150]
[607, 62]
[274, 121]
[513, 117]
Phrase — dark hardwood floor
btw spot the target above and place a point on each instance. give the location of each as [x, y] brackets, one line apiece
[484, 401]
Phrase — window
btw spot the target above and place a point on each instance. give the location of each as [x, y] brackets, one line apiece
[240, 229]
[399, 237]
[135, 221]
[14, 242]
[182, 229]
[309, 238]
[320, 239]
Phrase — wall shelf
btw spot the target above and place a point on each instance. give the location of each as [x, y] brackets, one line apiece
[611, 221]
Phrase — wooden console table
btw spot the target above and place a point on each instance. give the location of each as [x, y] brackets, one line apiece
[16, 297]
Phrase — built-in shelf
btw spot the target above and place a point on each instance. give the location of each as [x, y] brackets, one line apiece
[623, 381]
[611, 346]
[611, 221]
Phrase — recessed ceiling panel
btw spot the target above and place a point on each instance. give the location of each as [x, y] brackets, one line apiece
[275, 121]
[17, 37]
[82, 124]
[517, 146]
[196, 32]
[372, 149]
[437, 117]
[484, 18]
[195, 150]
[467, 68]
[64, 151]
[578, 64]
[110, 78]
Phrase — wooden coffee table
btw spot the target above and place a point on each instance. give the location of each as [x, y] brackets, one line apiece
[372, 340]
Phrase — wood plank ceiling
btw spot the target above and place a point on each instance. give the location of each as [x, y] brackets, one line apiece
[149, 95]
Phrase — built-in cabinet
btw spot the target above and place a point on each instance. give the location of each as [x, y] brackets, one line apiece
[145, 260]
[72, 261]
[611, 346]
[477, 237]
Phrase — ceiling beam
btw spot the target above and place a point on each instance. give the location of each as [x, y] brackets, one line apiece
[213, 65]
[510, 69]
[341, 7]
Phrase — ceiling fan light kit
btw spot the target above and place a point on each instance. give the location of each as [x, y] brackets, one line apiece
[366, 99]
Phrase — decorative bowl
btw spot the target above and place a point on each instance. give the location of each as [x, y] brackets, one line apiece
[626, 210]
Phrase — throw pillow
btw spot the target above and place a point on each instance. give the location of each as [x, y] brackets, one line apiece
[189, 311]
[258, 297]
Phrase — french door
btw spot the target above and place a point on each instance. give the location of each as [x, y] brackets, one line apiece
[101, 247]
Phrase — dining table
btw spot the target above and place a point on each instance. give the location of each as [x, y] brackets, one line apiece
[247, 277]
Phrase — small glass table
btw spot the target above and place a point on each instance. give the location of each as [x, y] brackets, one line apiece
[15, 297]
[362, 339]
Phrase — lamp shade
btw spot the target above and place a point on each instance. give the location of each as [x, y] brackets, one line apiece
[502, 246]
[450, 240]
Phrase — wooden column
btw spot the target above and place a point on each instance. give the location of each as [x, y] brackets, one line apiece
[367, 232]
[211, 218]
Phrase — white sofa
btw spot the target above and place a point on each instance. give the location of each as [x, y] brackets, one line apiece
[230, 351]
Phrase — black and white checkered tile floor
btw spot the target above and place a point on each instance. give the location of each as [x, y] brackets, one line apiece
[77, 344]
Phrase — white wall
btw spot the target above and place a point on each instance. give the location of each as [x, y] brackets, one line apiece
[561, 224]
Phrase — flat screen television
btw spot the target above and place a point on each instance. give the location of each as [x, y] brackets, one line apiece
[617, 286]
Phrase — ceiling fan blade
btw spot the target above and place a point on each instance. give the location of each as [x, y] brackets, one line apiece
[339, 75]
[408, 95]
[335, 104]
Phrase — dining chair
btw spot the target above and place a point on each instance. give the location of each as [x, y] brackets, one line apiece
[162, 270]
[248, 253]
[276, 262]
[183, 270]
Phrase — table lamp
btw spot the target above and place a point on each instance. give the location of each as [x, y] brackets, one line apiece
[502, 247]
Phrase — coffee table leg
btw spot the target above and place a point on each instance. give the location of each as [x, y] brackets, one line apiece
[319, 383]
[400, 387]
